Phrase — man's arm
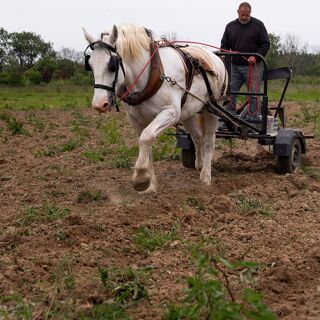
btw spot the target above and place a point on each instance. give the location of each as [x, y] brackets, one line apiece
[225, 40]
[264, 41]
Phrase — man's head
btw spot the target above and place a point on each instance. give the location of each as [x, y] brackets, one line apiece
[244, 12]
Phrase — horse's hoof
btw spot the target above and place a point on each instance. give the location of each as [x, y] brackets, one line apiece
[141, 184]
[148, 192]
[205, 180]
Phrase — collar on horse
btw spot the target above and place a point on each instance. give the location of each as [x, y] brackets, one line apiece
[154, 82]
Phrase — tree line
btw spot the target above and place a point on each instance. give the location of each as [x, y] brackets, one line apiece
[25, 58]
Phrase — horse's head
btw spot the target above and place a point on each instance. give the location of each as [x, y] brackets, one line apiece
[107, 68]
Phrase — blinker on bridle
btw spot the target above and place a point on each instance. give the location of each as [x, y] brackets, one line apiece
[113, 66]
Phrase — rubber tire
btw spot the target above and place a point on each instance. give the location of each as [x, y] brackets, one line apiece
[188, 158]
[291, 163]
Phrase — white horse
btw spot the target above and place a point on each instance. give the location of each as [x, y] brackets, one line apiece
[131, 44]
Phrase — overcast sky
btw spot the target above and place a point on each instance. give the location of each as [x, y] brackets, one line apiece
[61, 21]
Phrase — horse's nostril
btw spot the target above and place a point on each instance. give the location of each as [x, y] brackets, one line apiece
[106, 105]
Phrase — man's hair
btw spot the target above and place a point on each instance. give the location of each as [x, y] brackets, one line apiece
[244, 4]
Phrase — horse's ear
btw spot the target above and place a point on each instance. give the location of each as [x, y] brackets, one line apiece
[88, 36]
[114, 35]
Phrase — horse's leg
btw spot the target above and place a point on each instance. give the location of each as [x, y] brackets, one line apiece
[143, 176]
[210, 125]
[138, 128]
[193, 126]
[153, 180]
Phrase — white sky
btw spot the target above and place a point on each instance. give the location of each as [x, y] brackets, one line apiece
[61, 21]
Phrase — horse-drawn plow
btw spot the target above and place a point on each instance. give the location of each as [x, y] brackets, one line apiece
[270, 129]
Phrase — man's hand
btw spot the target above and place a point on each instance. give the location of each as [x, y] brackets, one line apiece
[252, 60]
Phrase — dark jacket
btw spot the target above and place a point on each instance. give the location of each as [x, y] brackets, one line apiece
[250, 37]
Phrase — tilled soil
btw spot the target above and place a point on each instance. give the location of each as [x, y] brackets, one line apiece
[76, 234]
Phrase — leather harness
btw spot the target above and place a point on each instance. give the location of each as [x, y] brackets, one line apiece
[154, 83]
[192, 67]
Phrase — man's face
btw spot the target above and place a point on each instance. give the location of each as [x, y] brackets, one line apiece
[244, 14]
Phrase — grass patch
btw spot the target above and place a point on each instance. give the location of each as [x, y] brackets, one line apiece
[51, 96]
[124, 156]
[311, 172]
[93, 156]
[196, 203]
[90, 196]
[123, 285]
[304, 89]
[165, 146]
[70, 145]
[63, 278]
[47, 212]
[14, 306]
[52, 212]
[38, 124]
[110, 131]
[146, 239]
[252, 206]
[14, 126]
[107, 311]
[30, 215]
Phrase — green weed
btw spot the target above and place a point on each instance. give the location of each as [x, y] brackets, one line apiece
[36, 122]
[15, 126]
[147, 239]
[311, 172]
[107, 311]
[165, 146]
[93, 156]
[125, 286]
[63, 278]
[79, 127]
[69, 146]
[110, 131]
[52, 212]
[253, 206]
[13, 306]
[61, 235]
[209, 294]
[30, 215]
[124, 156]
[196, 203]
[90, 196]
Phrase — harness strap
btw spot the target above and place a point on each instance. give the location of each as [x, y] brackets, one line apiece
[153, 85]
[189, 70]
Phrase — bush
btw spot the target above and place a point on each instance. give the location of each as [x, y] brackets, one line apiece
[14, 77]
[34, 76]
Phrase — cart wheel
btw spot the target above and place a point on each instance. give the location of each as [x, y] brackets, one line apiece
[188, 158]
[291, 163]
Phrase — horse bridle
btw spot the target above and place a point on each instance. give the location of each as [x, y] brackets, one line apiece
[113, 66]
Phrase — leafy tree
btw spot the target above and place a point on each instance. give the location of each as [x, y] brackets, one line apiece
[294, 54]
[274, 51]
[28, 47]
[4, 36]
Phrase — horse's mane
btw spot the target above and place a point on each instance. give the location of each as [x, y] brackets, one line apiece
[131, 40]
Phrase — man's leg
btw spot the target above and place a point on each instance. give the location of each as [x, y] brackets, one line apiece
[237, 80]
[253, 81]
